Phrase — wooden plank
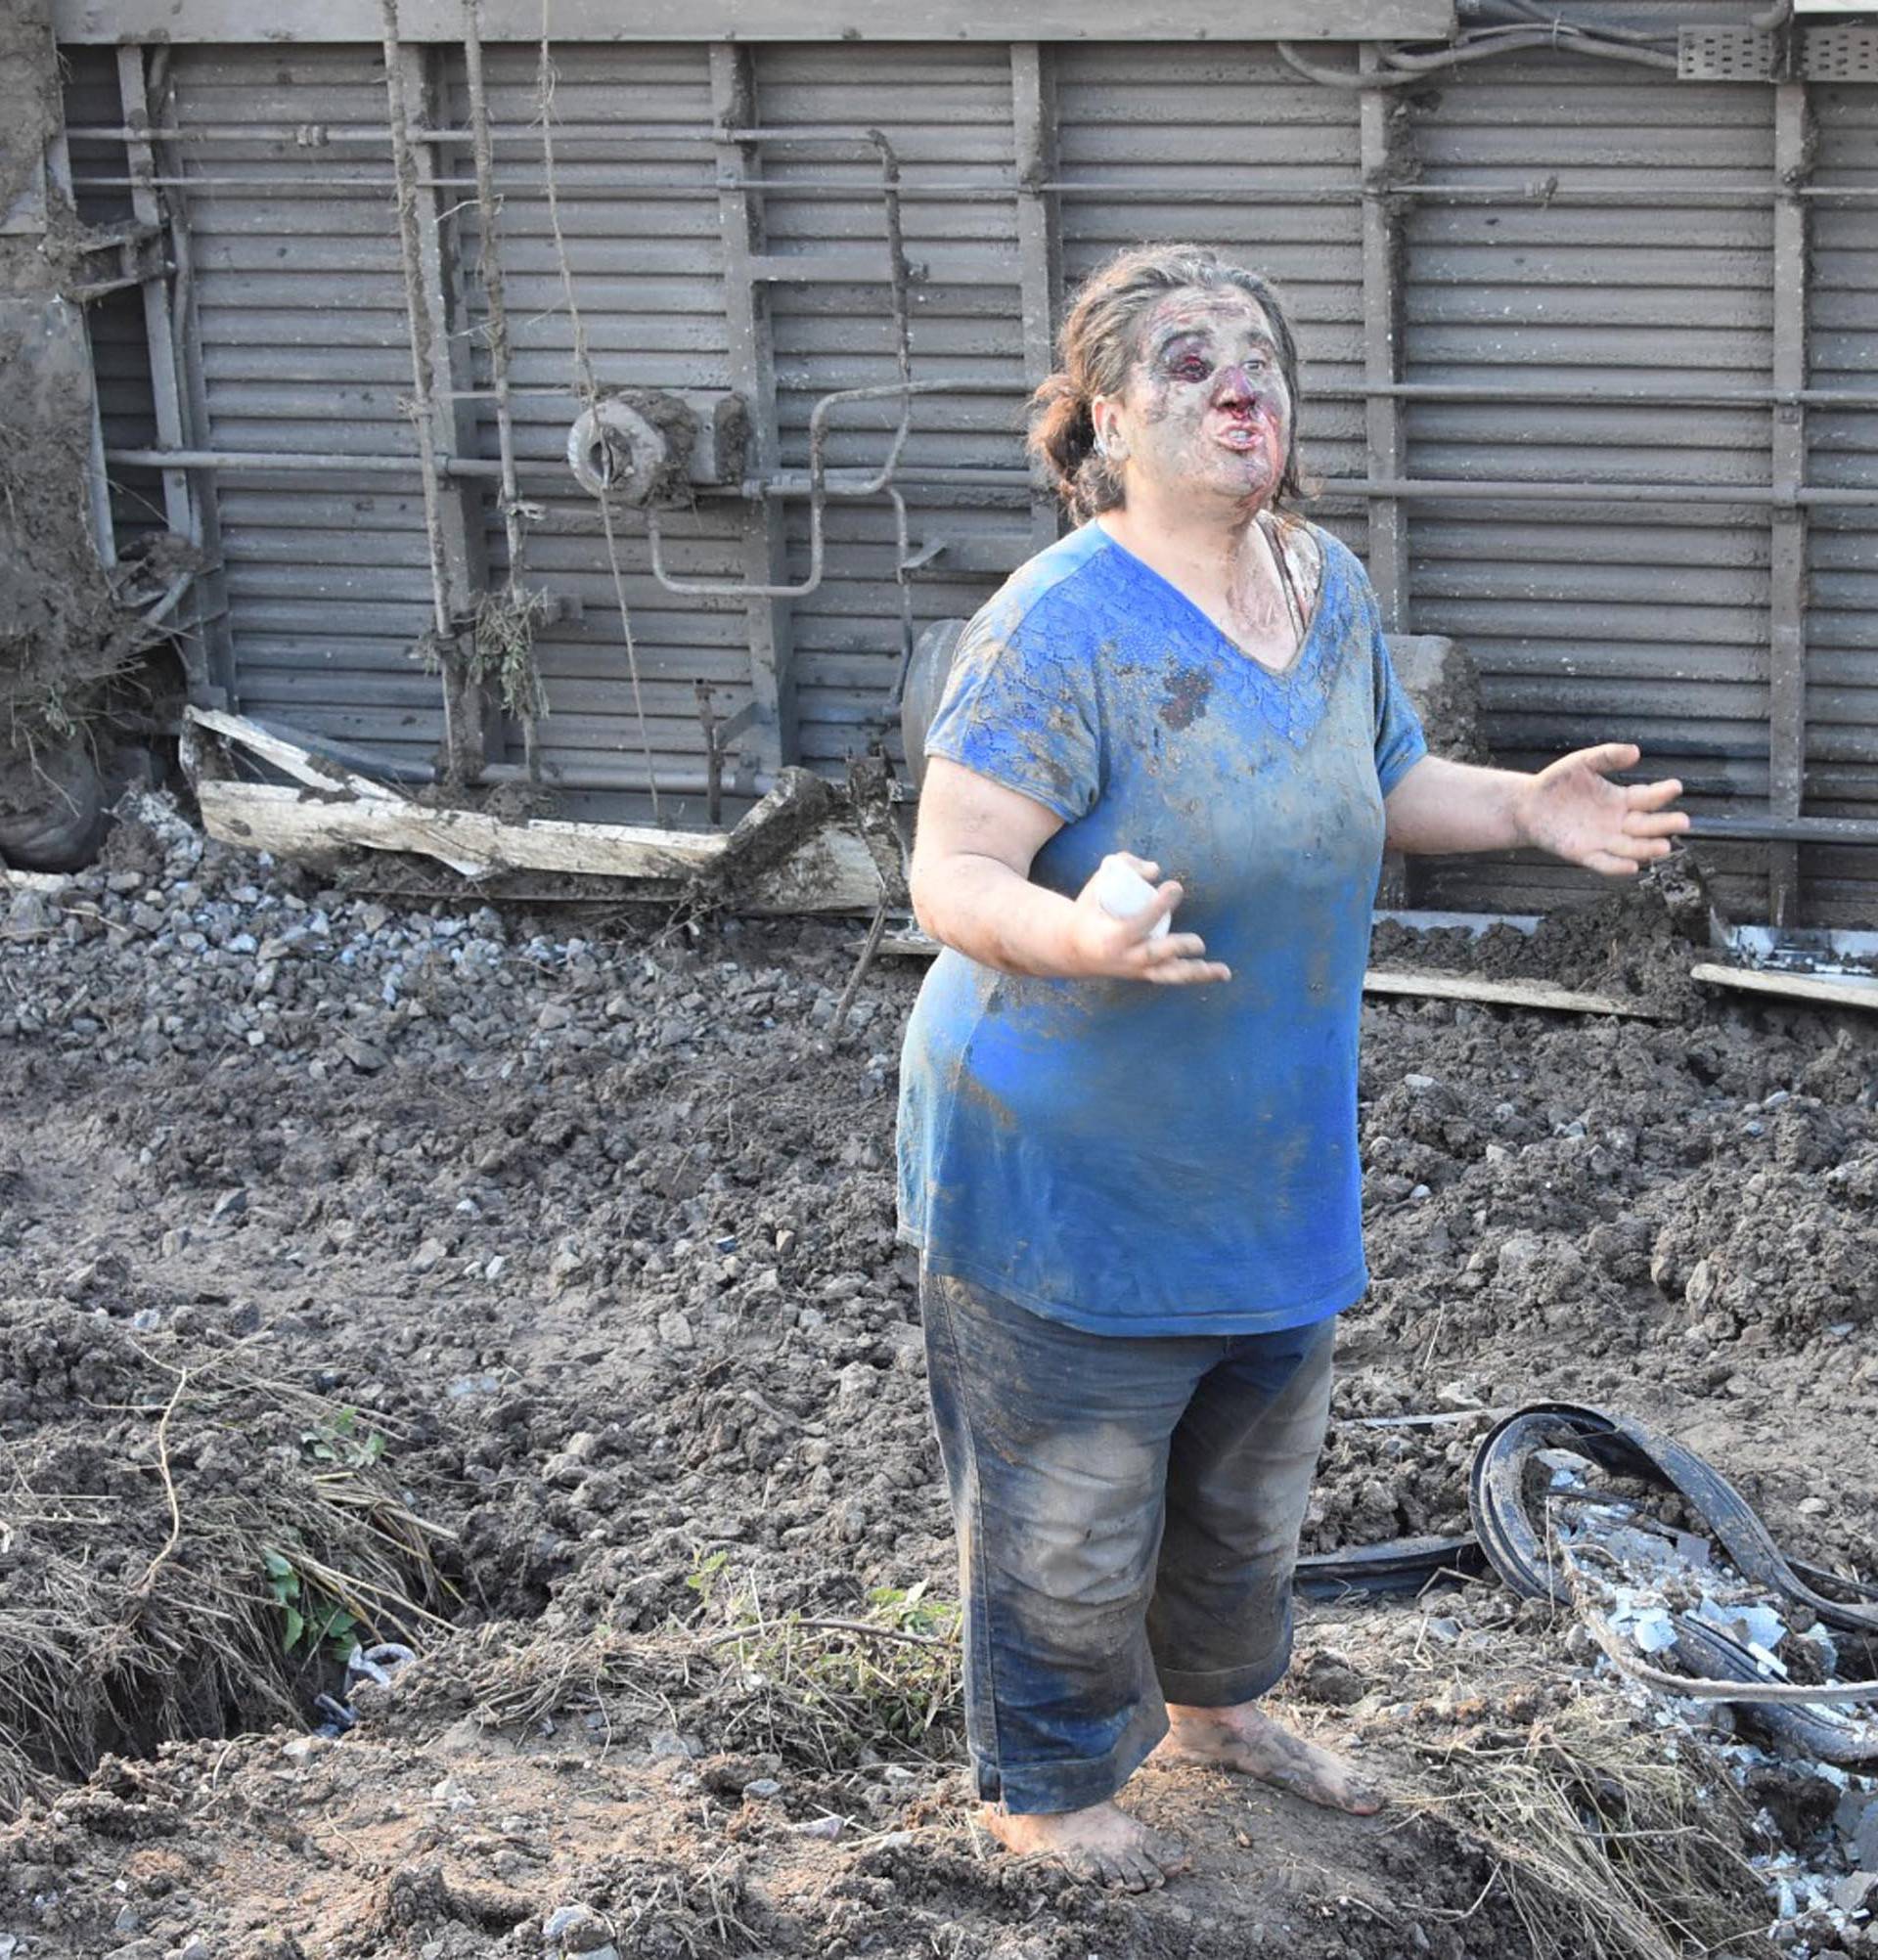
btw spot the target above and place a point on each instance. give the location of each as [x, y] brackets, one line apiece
[269, 817]
[1836, 992]
[830, 872]
[301, 764]
[914, 944]
[1508, 993]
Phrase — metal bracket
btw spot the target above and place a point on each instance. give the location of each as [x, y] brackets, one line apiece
[1724, 54]
[1847, 53]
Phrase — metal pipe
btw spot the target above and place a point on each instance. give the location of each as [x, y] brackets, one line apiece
[798, 484]
[314, 135]
[1515, 393]
[1543, 193]
[1469, 491]
[626, 777]
[1758, 828]
[818, 488]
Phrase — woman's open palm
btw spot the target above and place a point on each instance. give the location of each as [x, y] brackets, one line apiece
[1574, 811]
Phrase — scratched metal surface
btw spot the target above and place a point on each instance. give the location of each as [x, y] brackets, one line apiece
[1587, 618]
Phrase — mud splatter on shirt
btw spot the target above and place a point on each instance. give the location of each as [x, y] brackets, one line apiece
[1144, 1160]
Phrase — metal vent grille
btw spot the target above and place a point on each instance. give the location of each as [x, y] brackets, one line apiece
[1724, 54]
[1839, 54]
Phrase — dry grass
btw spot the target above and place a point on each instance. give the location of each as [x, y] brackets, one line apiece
[823, 1691]
[1606, 1841]
[189, 1557]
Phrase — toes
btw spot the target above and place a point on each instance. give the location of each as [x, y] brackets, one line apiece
[1140, 1872]
[1169, 1855]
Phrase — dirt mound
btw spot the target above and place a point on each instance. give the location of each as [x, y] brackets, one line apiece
[597, 1232]
[1635, 944]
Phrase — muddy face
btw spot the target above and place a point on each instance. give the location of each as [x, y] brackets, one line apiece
[1206, 411]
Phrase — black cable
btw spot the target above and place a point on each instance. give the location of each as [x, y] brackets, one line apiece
[1405, 67]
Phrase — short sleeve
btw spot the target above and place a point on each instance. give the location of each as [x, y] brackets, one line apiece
[1400, 741]
[1020, 708]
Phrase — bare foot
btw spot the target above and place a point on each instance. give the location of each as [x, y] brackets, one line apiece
[1240, 1738]
[1099, 1846]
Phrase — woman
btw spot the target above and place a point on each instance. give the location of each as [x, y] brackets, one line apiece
[1129, 1156]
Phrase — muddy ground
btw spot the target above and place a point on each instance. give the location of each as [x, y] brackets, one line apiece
[561, 1248]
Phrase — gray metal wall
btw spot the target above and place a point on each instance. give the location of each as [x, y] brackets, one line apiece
[1595, 244]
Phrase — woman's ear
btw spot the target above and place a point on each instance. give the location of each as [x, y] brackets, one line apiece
[1105, 418]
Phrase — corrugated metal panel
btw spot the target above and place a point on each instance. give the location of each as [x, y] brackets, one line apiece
[1842, 696]
[1170, 134]
[647, 280]
[120, 353]
[1596, 622]
[947, 114]
[305, 348]
[1590, 620]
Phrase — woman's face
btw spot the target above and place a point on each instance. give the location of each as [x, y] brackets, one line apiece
[1205, 411]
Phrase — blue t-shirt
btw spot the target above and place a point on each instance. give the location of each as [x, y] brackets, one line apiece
[1146, 1160]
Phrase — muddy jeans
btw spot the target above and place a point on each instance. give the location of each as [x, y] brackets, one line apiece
[1127, 1515]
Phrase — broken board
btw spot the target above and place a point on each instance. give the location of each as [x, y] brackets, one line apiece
[1428, 985]
[831, 871]
[1501, 993]
[1816, 990]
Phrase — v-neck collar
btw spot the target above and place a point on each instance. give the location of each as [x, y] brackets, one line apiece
[1284, 676]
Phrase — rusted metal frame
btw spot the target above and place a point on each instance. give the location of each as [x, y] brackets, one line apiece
[720, 731]
[104, 528]
[179, 512]
[184, 498]
[767, 619]
[446, 427]
[489, 264]
[1381, 125]
[211, 597]
[1787, 563]
[1039, 249]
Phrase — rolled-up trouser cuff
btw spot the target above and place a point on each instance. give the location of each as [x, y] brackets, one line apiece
[1223, 1687]
[1046, 1788]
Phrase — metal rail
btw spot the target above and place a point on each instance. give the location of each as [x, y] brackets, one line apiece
[834, 482]
[1545, 192]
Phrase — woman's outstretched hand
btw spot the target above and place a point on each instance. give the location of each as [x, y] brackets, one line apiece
[1572, 811]
[1105, 947]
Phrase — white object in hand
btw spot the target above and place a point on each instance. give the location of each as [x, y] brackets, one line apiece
[1121, 891]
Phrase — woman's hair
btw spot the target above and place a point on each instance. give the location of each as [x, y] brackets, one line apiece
[1098, 344]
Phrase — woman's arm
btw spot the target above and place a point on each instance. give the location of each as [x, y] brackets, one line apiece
[1568, 809]
[971, 891]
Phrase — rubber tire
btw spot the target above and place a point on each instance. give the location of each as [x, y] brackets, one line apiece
[52, 816]
[926, 675]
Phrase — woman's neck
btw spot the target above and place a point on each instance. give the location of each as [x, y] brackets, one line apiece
[1222, 563]
[1209, 538]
